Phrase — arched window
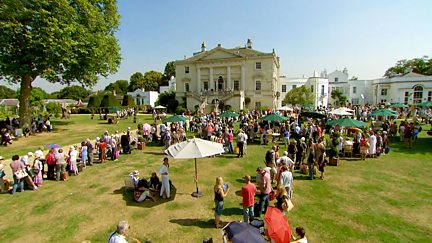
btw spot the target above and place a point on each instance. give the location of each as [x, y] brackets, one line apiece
[418, 94]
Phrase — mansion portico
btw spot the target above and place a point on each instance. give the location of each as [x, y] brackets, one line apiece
[237, 78]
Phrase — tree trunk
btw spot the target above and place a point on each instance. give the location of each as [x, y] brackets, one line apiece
[25, 113]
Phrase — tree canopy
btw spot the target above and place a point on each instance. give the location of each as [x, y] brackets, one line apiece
[108, 101]
[60, 40]
[74, 92]
[338, 96]
[150, 81]
[421, 65]
[299, 96]
[6, 93]
[136, 82]
[168, 100]
[169, 70]
[119, 86]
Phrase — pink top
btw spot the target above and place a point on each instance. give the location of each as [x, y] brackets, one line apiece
[230, 137]
[16, 165]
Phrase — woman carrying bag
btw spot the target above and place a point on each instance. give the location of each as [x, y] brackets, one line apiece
[19, 174]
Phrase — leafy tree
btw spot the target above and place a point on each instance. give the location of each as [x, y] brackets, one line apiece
[421, 65]
[169, 70]
[338, 96]
[128, 101]
[168, 100]
[6, 93]
[119, 86]
[108, 101]
[152, 80]
[74, 92]
[55, 94]
[59, 40]
[136, 82]
[54, 108]
[299, 96]
[94, 101]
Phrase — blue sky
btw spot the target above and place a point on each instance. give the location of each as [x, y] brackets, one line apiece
[366, 36]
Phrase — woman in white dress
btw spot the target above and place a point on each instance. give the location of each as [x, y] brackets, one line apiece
[73, 155]
[372, 144]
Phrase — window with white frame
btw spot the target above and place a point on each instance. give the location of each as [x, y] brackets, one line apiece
[258, 65]
[294, 86]
[236, 85]
[322, 89]
[418, 94]
[406, 97]
[283, 88]
[206, 86]
[429, 96]
[354, 90]
[258, 85]
[186, 87]
[383, 91]
[312, 88]
[336, 79]
[186, 69]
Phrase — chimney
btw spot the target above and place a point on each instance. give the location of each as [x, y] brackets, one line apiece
[249, 44]
[203, 47]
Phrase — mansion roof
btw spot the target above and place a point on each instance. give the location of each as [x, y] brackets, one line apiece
[239, 52]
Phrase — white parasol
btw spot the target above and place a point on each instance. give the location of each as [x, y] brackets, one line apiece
[193, 149]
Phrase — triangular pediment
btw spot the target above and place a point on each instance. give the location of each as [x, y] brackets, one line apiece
[219, 53]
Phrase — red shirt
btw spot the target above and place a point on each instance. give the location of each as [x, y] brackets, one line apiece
[248, 193]
[102, 146]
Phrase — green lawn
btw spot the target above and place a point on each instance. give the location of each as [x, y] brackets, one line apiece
[378, 200]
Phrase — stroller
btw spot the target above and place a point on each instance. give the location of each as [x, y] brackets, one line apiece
[124, 141]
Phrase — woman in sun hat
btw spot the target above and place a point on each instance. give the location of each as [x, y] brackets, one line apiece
[73, 155]
[37, 170]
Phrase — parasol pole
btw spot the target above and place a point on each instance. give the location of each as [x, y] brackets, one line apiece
[197, 193]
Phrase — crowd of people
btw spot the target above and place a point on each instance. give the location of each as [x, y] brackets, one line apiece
[300, 144]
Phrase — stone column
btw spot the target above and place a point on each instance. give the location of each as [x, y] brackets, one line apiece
[243, 78]
[211, 81]
[198, 85]
[229, 85]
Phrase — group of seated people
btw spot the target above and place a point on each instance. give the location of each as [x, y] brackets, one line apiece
[143, 188]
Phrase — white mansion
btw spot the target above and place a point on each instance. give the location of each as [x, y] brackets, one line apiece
[244, 78]
[408, 88]
[238, 77]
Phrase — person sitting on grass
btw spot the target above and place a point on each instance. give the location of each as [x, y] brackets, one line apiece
[142, 193]
[155, 182]
[301, 236]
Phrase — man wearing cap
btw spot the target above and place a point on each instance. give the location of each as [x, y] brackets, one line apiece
[248, 194]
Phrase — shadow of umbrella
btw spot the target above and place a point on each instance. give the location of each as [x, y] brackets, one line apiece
[193, 149]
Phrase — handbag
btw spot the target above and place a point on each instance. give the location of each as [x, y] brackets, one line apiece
[288, 206]
[19, 174]
[272, 195]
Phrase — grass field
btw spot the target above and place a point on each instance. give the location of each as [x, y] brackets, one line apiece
[378, 200]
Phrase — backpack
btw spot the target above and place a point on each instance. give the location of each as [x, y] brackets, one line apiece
[268, 156]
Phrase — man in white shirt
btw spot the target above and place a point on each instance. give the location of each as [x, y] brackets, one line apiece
[286, 179]
[119, 236]
[285, 160]
[241, 139]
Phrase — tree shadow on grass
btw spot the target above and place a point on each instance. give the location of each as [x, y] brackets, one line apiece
[128, 197]
[62, 123]
[301, 177]
[194, 222]
[242, 180]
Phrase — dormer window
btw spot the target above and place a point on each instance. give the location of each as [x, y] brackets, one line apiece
[336, 79]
